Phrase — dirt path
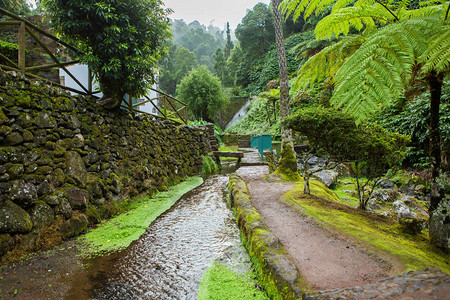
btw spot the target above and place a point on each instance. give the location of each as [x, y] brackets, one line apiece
[325, 261]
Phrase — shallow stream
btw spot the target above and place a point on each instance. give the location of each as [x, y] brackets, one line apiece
[168, 261]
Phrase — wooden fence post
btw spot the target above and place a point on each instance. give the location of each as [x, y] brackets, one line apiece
[22, 45]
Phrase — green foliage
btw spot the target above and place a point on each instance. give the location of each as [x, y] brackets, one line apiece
[209, 166]
[256, 120]
[413, 118]
[199, 39]
[371, 70]
[202, 91]
[370, 147]
[121, 40]
[266, 68]
[9, 50]
[337, 133]
[15, 6]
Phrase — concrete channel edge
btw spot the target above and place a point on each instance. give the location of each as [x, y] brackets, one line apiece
[275, 269]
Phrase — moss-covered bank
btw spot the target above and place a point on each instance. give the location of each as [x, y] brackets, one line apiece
[385, 236]
[220, 282]
[275, 269]
[118, 233]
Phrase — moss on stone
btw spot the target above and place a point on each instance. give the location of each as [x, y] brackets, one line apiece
[221, 282]
[287, 166]
[118, 233]
[381, 233]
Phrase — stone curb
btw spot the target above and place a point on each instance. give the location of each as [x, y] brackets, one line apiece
[275, 269]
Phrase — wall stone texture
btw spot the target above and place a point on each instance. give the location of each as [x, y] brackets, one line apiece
[65, 160]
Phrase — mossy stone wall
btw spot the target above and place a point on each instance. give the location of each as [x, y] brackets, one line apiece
[62, 156]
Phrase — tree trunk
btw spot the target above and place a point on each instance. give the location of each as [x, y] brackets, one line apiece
[284, 88]
[435, 82]
[306, 190]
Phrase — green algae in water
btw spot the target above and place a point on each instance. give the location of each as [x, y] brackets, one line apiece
[119, 232]
[221, 282]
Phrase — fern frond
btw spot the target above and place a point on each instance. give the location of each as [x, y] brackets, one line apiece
[327, 62]
[377, 72]
[342, 20]
[295, 8]
[437, 55]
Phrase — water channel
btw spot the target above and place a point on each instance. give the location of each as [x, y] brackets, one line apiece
[168, 261]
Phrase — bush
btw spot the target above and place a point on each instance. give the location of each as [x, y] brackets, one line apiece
[369, 146]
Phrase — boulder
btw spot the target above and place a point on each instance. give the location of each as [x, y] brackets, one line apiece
[74, 226]
[410, 213]
[13, 219]
[63, 208]
[78, 198]
[42, 215]
[327, 177]
[24, 194]
[6, 243]
[440, 226]
[75, 168]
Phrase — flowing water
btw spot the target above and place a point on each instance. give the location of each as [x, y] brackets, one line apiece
[167, 262]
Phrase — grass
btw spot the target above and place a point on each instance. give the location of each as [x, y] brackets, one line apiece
[414, 252]
[221, 282]
[118, 233]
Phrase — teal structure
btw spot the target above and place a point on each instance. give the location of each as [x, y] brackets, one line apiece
[262, 142]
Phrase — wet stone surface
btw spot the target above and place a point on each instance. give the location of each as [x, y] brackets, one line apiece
[428, 284]
[168, 261]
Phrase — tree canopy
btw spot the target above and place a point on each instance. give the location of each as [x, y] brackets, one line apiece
[122, 40]
[202, 91]
[15, 6]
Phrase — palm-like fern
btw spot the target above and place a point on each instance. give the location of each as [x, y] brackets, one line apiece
[396, 40]
[371, 70]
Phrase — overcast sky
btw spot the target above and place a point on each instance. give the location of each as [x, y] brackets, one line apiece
[205, 11]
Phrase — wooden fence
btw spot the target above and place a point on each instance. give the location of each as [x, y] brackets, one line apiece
[167, 106]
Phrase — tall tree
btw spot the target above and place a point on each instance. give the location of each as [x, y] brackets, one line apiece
[122, 41]
[202, 91]
[229, 45]
[288, 162]
[220, 64]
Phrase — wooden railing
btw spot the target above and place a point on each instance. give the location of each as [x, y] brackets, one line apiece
[164, 105]
[166, 110]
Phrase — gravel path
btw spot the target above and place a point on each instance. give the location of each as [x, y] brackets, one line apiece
[334, 267]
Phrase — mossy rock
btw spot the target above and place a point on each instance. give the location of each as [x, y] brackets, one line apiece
[13, 219]
[42, 215]
[75, 168]
[74, 226]
[3, 118]
[6, 243]
[15, 171]
[14, 138]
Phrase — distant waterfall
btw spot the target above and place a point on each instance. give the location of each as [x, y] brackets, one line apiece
[240, 114]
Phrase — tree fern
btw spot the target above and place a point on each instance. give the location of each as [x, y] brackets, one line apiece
[327, 62]
[437, 55]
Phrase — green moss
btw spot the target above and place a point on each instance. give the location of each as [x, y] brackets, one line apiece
[287, 166]
[209, 166]
[118, 233]
[221, 282]
[414, 252]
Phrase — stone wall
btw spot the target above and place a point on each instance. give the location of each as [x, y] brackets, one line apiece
[66, 163]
